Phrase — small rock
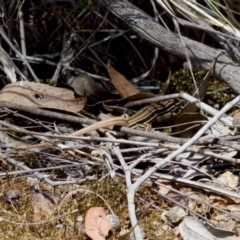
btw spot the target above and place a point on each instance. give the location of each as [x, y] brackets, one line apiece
[114, 221]
[13, 195]
[176, 214]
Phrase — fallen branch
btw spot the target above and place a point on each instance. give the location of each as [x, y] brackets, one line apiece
[200, 54]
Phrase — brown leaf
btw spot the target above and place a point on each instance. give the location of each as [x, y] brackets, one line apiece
[84, 84]
[42, 95]
[116, 106]
[189, 123]
[97, 224]
[122, 85]
[124, 234]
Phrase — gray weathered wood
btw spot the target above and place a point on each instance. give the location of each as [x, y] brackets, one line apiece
[200, 54]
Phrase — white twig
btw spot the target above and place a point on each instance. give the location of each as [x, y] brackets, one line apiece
[2, 33]
[132, 188]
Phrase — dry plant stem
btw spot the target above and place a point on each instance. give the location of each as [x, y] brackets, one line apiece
[78, 70]
[18, 129]
[101, 63]
[155, 135]
[162, 137]
[214, 180]
[132, 214]
[156, 50]
[200, 54]
[68, 118]
[144, 156]
[114, 121]
[137, 149]
[63, 137]
[9, 19]
[215, 207]
[109, 22]
[206, 28]
[212, 111]
[133, 187]
[221, 38]
[123, 141]
[117, 152]
[46, 113]
[183, 44]
[188, 195]
[22, 36]
[30, 119]
[2, 33]
[110, 158]
[66, 56]
[152, 100]
[120, 34]
[190, 210]
[84, 45]
[204, 152]
[127, 171]
[41, 169]
[193, 184]
[37, 223]
[164, 196]
[39, 175]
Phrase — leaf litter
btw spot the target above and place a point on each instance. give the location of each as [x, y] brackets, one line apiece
[202, 181]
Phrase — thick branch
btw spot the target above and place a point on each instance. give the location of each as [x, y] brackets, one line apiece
[200, 54]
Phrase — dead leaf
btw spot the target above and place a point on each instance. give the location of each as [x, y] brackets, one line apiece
[84, 84]
[191, 228]
[97, 224]
[42, 95]
[122, 85]
[189, 123]
[124, 234]
[229, 179]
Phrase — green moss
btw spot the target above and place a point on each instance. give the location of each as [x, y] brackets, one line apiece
[182, 81]
[81, 198]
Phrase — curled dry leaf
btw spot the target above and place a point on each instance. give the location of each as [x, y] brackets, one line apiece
[42, 95]
[97, 224]
[122, 85]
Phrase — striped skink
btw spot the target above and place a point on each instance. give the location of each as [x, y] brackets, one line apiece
[149, 113]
